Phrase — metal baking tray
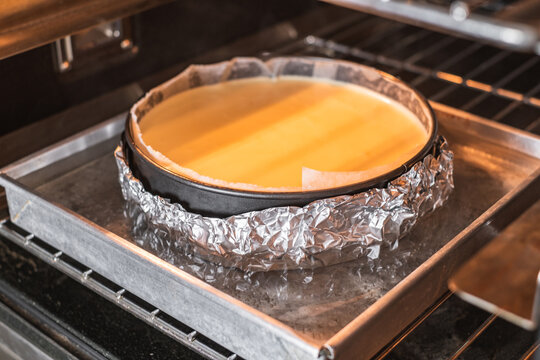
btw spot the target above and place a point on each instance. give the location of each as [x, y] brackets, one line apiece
[68, 196]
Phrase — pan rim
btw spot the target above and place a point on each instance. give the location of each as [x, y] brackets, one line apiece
[308, 194]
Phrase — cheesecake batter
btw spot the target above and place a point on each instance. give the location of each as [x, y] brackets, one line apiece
[284, 134]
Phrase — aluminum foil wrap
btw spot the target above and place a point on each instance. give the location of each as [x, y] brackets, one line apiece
[324, 232]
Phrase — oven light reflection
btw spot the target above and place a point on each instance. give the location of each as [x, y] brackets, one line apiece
[478, 85]
[449, 77]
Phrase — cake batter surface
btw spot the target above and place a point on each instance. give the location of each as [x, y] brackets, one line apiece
[283, 134]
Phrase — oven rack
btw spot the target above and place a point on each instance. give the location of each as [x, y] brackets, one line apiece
[181, 332]
[387, 351]
[510, 23]
[114, 293]
[495, 87]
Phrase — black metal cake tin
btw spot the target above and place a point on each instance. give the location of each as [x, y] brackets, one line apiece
[216, 201]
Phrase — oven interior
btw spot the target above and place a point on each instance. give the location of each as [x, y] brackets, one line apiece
[51, 93]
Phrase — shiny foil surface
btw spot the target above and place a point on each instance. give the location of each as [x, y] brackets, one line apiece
[324, 232]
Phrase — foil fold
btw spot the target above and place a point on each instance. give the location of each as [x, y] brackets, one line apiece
[324, 232]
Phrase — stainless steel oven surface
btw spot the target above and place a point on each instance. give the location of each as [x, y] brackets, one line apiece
[76, 283]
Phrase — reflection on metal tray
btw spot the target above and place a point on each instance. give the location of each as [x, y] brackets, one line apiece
[72, 189]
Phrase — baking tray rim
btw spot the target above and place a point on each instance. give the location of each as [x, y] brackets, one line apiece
[25, 166]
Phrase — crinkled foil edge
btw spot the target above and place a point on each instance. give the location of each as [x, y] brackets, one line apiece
[324, 232]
